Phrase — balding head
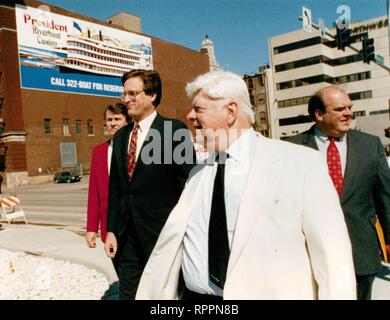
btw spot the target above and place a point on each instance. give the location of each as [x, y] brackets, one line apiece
[330, 108]
[317, 100]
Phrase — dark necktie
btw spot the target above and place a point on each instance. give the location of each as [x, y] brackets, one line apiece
[218, 236]
[131, 157]
[334, 165]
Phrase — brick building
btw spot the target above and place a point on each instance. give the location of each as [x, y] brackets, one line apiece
[36, 122]
[258, 88]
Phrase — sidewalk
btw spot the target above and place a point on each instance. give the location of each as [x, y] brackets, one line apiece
[57, 243]
[381, 286]
[60, 243]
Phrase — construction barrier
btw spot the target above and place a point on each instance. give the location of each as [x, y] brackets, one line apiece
[11, 208]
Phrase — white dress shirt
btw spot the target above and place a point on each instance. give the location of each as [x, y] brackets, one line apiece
[195, 253]
[109, 155]
[144, 126]
[323, 141]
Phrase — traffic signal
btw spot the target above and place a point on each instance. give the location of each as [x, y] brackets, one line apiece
[342, 37]
[368, 50]
[387, 132]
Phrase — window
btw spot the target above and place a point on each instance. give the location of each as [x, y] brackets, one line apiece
[303, 82]
[305, 100]
[316, 60]
[384, 111]
[297, 45]
[78, 127]
[323, 78]
[298, 64]
[263, 117]
[293, 102]
[90, 126]
[260, 80]
[359, 114]
[252, 100]
[65, 127]
[360, 95]
[250, 83]
[295, 120]
[366, 94]
[47, 126]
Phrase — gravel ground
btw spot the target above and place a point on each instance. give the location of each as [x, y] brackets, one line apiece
[28, 277]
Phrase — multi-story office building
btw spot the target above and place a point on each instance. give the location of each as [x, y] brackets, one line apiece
[58, 72]
[303, 63]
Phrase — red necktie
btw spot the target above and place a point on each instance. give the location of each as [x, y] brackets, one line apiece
[131, 157]
[334, 165]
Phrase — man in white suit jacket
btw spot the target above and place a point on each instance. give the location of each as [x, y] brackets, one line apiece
[286, 231]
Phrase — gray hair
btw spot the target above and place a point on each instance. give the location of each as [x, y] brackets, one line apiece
[223, 85]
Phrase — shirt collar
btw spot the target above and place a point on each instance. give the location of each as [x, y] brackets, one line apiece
[240, 149]
[323, 137]
[146, 123]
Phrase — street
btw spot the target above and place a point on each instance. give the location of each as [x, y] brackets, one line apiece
[65, 204]
[52, 203]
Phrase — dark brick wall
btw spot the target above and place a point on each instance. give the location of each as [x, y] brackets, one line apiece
[16, 157]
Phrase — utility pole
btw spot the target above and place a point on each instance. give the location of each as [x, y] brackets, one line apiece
[388, 25]
[272, 102]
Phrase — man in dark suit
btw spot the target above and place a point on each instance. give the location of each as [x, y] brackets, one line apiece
[358, 168]
[151, 160]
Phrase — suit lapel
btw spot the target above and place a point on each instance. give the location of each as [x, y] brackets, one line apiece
[309, 139]
[352, 161]
[260, 184]
[120, 149]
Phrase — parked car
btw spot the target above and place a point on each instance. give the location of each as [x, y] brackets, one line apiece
[66, 176]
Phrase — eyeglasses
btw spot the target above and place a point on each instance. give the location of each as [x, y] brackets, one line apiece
[131, 94]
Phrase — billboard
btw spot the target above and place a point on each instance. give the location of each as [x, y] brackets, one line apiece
[61, 53]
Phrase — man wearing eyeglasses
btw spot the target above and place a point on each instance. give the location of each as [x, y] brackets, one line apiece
[146, 179]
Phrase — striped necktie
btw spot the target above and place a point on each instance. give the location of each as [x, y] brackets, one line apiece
[131, 156]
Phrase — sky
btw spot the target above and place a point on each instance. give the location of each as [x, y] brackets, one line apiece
[239, 29]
